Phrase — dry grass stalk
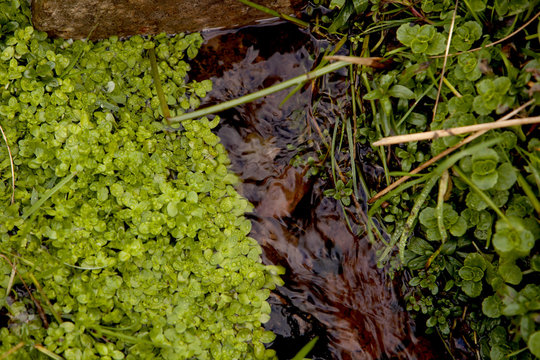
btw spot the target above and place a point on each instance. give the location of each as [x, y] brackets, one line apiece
[447, 50]
[391, 140]
[12, 351]
[11, 164]
[374, 62]
[436, 158]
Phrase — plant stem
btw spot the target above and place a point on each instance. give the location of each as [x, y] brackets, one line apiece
[529, 192]
[432, 179]
[403, 240]
[448, 42]
[12, 351]
[75, 60]
[275, 13]
[323, 62]
[11, 165]
[495, 42]
[382, 153]
[436, 158]
[394, 192]
[261, 93]
[414, 106]
[482, 194]
[451, 87]
[157, 83]
[36, 302]
[472, 12]
[443, 186]
[512, 354]
[48, 352]
[57, 317]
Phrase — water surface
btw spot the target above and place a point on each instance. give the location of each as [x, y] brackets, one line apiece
[333, 288]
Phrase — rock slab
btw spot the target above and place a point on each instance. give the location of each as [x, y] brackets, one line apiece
[76, 18]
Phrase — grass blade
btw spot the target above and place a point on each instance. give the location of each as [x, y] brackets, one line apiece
[261, 93]
[306, 349]
[48, 352]
[12, 351]
[11, 164]
[157, 83]
[275, 13]
[47, 195]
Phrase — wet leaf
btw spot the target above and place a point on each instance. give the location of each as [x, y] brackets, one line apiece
[534, 343]
[491, 306]
[511, 273]
[506, 177]
[472, 288]
[401, 92]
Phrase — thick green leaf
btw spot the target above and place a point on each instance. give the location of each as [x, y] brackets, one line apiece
[472, 288]
[466, 273]
[401, 92]
[476, 260]
[360, 5]
[491, 306]
[485, 182]
[534, 344]
[507, 177]
[341, 19]
[477, 5]
[428, 218]
[535, 263]
[511, 273]
[336, 4]
[459, 228]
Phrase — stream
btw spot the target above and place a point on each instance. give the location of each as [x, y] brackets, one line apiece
[333, 288]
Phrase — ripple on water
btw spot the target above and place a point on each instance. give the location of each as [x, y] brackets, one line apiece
[332, 285]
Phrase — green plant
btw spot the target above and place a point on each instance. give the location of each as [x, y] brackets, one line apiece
[342, 192]
[475, 241]
[465, 36]
[472, 274]
[470, 257]
[128, 230]
[422, 39]
[492, 95]
[452, 221]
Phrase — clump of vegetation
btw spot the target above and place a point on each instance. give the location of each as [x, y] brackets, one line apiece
[470, 244]
[125, 237]
[470, 247]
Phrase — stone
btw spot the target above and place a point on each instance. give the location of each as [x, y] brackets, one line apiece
[103, 18]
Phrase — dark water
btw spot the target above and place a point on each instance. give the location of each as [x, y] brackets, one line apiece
[333, 288]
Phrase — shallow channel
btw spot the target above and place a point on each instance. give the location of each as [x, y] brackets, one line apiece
[333, 288]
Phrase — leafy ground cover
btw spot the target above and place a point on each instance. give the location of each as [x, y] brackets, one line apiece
[462, 211]
[122, 236]
[113, 245]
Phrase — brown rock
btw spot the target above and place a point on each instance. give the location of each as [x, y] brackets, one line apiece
[76, 18]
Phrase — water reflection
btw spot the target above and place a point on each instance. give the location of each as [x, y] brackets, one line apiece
[332, 285]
